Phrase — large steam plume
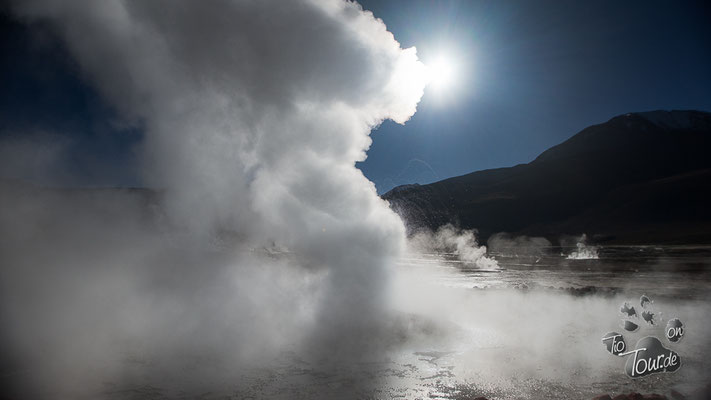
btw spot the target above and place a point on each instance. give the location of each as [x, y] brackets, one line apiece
[254, 113]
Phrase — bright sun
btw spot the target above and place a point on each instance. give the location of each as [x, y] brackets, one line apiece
[441, 73]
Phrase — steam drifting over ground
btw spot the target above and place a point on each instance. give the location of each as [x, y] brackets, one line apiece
[583, 250]
[460, 242]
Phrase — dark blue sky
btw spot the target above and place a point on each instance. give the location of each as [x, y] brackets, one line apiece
[533, 74]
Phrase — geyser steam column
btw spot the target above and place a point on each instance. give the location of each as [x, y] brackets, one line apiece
[331, 211]
[254, 115]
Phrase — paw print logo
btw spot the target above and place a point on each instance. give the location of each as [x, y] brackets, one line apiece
[632, 319]
[649, 355]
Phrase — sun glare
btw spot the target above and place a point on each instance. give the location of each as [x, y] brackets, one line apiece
[441, 73]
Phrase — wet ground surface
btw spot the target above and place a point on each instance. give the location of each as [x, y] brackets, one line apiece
[530, 329]
[669, 271]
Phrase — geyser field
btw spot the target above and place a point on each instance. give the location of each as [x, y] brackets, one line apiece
[104, 298]
[263, 263]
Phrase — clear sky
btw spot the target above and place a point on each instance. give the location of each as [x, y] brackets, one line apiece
[529, 74]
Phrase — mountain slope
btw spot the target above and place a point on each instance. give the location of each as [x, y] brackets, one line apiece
[635, 178]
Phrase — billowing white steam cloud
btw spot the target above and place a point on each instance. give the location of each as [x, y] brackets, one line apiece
[460, 242]
[251, 109]
[255, 113]
[583, 250]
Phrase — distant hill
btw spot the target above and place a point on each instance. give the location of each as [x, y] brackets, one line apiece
[637, 178]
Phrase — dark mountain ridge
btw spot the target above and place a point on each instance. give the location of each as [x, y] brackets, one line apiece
[639, 177]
